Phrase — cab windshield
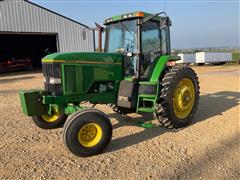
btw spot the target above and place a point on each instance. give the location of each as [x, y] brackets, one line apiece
[121, 36]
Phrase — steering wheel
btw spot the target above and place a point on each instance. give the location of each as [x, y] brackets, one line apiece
[129, 43]
[122, 49]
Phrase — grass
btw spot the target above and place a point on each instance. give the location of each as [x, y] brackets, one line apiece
[236, 56]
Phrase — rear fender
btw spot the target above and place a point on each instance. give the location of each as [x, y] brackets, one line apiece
[160, 65]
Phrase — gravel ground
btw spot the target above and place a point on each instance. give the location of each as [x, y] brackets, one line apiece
[207, 149]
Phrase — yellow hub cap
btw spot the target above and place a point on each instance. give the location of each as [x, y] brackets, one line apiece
[184, 97]
[53, 117]
[90, 134]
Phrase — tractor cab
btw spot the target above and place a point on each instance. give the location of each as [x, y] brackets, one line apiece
[141, 38]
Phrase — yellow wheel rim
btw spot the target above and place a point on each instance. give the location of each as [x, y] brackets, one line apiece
[90, 134]
[53, 117]
[184, 97]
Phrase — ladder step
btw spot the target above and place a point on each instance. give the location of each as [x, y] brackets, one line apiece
[152, 96]
[147, 99]
[150, 108]
[145, 109]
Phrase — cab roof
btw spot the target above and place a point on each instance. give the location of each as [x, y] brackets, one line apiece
[130, 15]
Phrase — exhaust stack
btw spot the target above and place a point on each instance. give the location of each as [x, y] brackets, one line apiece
[100, 31]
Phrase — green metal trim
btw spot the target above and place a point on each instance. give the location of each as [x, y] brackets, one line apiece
[69, 109]
[102, 97]
[146, 125]
[161, 63]
[133, 15]
[128, 79]
[63, 78]
[151, 83]
[146, 110]
[53, 99]
[150, 96]
[85, 57]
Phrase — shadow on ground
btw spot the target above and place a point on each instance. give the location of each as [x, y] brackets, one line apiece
[210, 105]
[214, 156]
[21, 72]
[12, 80]
[9, 92]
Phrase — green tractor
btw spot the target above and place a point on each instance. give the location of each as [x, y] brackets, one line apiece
[135, 73]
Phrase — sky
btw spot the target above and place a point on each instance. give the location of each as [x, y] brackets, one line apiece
[195, 23]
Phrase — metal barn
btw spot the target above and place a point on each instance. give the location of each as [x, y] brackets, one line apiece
[29, 30]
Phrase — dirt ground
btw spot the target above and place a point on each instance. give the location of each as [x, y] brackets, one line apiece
[207, 149]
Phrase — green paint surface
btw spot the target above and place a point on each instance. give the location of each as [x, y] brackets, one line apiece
[91, 57]
[31, 102]
[158, 68]
[146, 125]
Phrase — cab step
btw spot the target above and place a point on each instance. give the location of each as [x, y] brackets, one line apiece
[146, 109]
[146, 103]
[147, 97]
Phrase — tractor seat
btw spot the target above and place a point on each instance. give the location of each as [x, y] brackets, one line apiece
[149, 70]
[147, 73]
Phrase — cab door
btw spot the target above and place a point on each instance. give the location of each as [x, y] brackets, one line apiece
[155, 41]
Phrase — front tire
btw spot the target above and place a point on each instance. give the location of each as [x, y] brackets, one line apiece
[56, 120]
[87, 132]
[178, 98]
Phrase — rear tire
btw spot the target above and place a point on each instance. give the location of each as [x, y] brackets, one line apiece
[87, 132]
[178, 98]
[120, 110]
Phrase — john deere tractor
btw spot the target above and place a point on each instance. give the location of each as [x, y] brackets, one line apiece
[135, 73]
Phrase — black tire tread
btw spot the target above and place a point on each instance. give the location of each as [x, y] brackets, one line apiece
[85, 152]
[166, 84]
[119, 110]
[40, 122]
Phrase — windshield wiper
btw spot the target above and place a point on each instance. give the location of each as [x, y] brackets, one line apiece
[148, 18]
[127, 29]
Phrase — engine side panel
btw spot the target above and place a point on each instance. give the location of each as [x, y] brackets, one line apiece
[80, 78]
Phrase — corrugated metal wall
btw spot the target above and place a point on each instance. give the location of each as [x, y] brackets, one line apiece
[22, 16]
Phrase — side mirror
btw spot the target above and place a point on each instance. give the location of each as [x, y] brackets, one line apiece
[165, 22]
[84, 34]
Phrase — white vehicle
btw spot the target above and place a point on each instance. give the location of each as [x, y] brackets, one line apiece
[216, 58]
[186, 58]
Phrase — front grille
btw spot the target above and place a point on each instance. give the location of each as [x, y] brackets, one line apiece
[52, 70]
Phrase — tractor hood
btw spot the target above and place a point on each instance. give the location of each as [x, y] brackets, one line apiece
[84, 58]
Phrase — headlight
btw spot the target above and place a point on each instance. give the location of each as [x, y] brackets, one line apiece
[55, 80]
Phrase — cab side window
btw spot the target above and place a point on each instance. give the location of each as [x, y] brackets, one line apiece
[165, 41]
[150, 37]
[151, 44]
